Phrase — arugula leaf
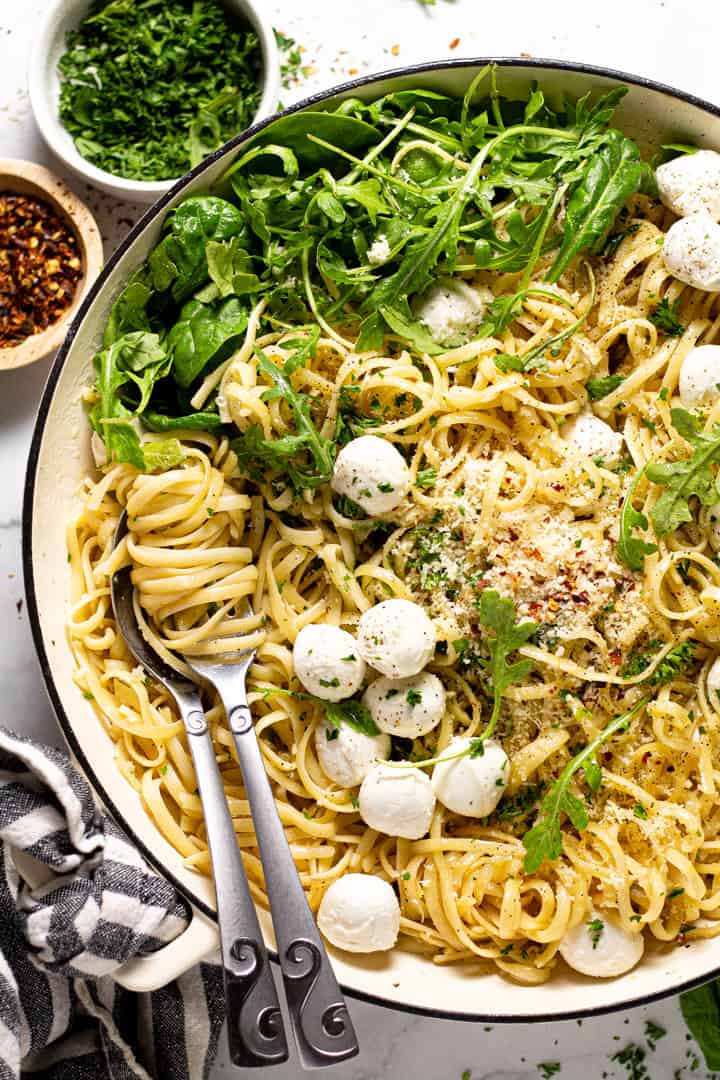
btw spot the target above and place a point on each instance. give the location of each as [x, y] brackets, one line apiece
[497, 613]
[631, 550]
[701, 1011]
[665, 317]
[289, 454]
[612, 174]
[600, 388]
[691, 477]
[347, 132]
[351, 711]
[544, 840]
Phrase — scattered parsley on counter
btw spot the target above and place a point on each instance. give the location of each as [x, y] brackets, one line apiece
[150, 87]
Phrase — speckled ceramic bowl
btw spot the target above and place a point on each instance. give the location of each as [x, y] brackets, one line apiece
[59, 458]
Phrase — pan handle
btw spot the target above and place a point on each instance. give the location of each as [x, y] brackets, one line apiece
[145, 973]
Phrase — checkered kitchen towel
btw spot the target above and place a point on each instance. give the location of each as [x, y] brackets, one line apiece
[61, 1015]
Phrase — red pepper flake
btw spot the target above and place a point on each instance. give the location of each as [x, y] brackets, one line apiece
[39, 267]
[454, 43]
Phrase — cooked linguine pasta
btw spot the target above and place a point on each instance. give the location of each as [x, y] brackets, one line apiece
[500, 499]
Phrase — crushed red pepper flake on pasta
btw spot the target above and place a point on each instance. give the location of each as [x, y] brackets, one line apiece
[40, 267]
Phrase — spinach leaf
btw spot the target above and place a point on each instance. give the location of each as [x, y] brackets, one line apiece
[544, 840]
[179, 262]
[292, 132]
[129, 312]
[611, 174]
[701, 1011]
[631, 550]
[692, 477]
[205, 334]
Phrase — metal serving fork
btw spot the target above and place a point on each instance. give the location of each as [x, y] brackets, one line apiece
[320, 1021]
[255, 1030]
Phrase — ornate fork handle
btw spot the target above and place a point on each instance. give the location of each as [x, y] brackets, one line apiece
[255, 1031]
[319, 1016]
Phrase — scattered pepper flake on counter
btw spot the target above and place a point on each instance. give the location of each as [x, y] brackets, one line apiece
[40, 267]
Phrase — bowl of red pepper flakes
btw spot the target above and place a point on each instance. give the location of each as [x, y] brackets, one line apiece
[50, 253]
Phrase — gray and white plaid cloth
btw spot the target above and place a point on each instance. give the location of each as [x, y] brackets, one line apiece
[62, 1017]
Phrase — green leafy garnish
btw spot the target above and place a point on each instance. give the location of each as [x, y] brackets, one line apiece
[665, 317]
[544, 840]
[595, 930]
[351, 712]
[613, 174]
[497, 613]
[692, 477]
[600, 388]
[674, 663]
[426, 479]
[631, 549]
[701, 1011]
[142, 81]
[305, 458]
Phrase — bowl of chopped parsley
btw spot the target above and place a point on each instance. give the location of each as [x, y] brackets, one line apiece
[132, 94]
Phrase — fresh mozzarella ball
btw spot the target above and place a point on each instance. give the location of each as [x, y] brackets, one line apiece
[713, 526]
[690, 184]
[347, 755]
[472, 786]
[602, 951]
[396, 637]
[700, 375]
[408, 707]
[360, 913]
[713, 684]
[328, 662]
[379, 251]
[399, 802]
[594, 438]
[451, 308]
[372, 473]
[692, 252]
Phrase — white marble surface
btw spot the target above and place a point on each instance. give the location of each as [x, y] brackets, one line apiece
[670, 40]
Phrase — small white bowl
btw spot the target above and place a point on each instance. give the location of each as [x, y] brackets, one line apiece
[44, 89]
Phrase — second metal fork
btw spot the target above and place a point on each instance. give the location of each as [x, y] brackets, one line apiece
[321, 1024]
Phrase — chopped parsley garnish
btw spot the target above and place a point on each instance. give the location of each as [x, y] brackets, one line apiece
[600, 388]
[640, 812]
[413, 697]
[665, 317]
[596, 928]
[426, 479]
